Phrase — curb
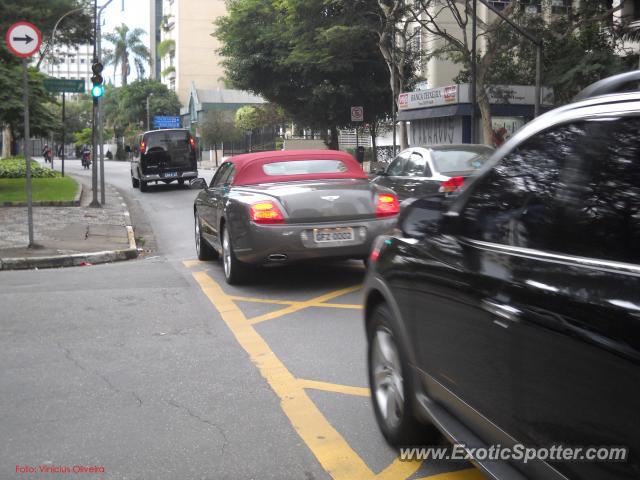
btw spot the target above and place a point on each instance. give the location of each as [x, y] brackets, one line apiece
[68, 203]
[76, 259]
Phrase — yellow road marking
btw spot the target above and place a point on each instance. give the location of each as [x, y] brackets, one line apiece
[191, 263]
[334, 454]
[296, 302]
[334, 387]
[399, 469]
[262, 300]
[306, 304]
[332, 451]
[468, 474]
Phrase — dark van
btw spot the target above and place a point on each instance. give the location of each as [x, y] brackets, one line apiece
[163, 156]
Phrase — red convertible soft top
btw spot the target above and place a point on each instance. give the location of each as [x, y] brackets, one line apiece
[249, 166]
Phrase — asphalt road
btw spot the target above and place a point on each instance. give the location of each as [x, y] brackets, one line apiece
[156, 369]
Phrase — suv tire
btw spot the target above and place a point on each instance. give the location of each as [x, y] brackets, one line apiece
[391, 382]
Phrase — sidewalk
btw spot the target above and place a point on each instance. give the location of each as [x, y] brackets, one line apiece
[67, 236]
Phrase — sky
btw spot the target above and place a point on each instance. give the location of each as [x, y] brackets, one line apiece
[133, 13]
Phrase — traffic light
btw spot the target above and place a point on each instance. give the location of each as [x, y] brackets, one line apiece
[97, 89]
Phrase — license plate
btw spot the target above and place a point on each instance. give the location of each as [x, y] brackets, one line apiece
[170, 174]
[324, 235]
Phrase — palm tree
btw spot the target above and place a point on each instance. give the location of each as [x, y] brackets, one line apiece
[127, 42]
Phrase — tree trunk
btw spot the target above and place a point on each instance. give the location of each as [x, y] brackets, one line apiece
[404, 140]
[125, 69]
[6, 141]
[485, 113]
[333, 144]
[373, 131]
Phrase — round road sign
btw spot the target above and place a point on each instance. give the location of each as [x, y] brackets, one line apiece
[357, 114]
[23, 39]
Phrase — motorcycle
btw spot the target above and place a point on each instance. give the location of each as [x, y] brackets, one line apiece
[86, 160]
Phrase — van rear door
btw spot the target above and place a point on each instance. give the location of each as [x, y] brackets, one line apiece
[170, 150]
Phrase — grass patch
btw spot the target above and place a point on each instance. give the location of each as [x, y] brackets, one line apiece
[16, 167]
[59, 189]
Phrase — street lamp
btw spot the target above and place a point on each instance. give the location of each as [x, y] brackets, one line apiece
[148, 114]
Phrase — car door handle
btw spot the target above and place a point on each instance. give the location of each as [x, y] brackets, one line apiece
[502, 310]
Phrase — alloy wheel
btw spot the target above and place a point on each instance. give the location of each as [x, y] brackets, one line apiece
[387, 378]
[226, 254]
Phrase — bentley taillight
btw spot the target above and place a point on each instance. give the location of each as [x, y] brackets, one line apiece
[387, 205]
[266, 213]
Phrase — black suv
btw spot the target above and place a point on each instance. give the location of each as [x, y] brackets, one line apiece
[510, 314]
[163, 156]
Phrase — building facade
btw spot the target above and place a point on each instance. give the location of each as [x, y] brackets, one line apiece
[71, 63]
[185, 47]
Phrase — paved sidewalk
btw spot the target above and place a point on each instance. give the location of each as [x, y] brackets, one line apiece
[68, 235]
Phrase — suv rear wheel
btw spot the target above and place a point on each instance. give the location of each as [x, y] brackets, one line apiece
[392, 389]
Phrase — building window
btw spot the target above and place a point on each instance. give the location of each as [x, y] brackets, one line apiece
[416, 40]
[499, 4]
[531, 7]
[560, 7]
[82, 60]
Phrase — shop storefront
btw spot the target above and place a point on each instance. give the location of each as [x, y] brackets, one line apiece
[443, 115]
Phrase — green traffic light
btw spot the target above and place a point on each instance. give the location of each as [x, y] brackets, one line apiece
[97, 91]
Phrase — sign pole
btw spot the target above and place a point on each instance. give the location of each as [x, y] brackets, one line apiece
[63, 131]
[27, 158]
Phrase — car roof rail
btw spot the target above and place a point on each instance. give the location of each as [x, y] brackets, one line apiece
[613, 84]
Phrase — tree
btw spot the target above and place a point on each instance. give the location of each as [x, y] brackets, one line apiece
[313, 58]
[501, 50]
[395, 38]
[127, 43]
[248, 118]
[218, 127]
[77, 115]
[72, 32]
[128, 104]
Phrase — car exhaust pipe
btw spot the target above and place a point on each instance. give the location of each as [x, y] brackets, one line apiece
[277, 257]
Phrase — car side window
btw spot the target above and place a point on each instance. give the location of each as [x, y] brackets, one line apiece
[573, 189]
[216, 181]
[415, 165]
[600, 217]
[521, 186]
[228, 180]
[397, 166]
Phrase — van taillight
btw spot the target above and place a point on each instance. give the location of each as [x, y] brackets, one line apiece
[451, 185]
[143, 148]
[192, 142]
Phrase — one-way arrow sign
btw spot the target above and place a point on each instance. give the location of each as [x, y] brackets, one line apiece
[23, 39]
[26, 39]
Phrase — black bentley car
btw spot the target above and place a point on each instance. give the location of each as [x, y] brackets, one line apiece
[510, 314]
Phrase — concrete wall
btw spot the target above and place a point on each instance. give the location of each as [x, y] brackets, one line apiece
[302, 144]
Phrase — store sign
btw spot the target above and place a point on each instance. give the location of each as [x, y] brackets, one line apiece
[432, 131]
[432, 97]
[498, 94]
[510, 95]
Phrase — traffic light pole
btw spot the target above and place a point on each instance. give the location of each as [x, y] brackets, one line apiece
[94, 164]
[100, 133]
